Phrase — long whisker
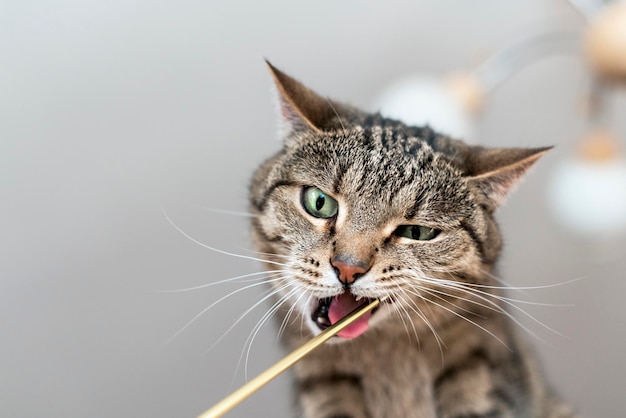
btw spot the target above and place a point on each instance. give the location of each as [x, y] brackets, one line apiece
[283, 298]
[263, 253]
[545, 286]
[405, 299]
[470, 288]
[397, 308]
[474, 287]
[306, 303]
[434, 293]
[263, 320]
[440, 292]
[259, 323]
[499, 309]
[452, 285]
[287, 317]
[202, 312]
[484, 296]
[484, 286]
[507, 284]
[460, 316]
[479, 294]
[234, 279]
[268, 294]
[416, 309]
[215, 249]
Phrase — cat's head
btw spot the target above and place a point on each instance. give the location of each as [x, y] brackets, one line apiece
[358, 207]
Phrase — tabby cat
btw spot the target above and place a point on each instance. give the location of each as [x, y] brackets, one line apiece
[356, 207]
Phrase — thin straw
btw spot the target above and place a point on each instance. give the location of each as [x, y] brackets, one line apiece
[286, 362]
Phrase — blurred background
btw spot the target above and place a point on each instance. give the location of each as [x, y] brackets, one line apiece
[115, 113]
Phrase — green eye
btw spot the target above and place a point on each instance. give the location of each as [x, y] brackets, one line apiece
[319, 204]
[416, 232]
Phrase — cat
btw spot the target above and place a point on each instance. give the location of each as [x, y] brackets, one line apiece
[357, 207]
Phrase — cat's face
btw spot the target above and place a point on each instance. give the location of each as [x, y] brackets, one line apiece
[359, 208]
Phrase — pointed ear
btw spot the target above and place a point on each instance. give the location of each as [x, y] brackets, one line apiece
[301, 108]
[495, 171]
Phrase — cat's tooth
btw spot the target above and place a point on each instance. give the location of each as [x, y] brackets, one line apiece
[323, 322]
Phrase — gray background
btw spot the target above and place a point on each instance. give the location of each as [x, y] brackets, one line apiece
[113, 111]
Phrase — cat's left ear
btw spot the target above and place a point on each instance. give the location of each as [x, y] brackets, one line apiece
[301, 108]
[495, 171]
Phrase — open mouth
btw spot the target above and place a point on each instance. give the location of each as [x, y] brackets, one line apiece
[332, 309]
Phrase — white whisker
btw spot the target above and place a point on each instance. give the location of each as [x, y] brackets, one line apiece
[215, 303]
[262, 322]
[431, 290]
[462, 317]
[215, 249]
[285, 321]
[482, 295]
[416, 309]
[307, 303]
[547, 286]
[397, 308]
[234, 279]
[263, 253]
[266, 295]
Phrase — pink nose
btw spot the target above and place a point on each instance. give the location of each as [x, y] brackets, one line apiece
[348, 271]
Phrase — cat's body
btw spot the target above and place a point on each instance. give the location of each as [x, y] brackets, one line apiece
[357, 207]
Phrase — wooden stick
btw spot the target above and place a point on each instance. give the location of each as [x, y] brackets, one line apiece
[292, 358]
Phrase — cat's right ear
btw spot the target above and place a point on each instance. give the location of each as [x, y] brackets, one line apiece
[301, 109]
[495, 171]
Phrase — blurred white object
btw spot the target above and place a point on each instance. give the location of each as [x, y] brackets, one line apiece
[588, 192]
[448, 106]
[605, 42]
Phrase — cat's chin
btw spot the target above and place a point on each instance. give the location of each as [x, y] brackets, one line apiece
[332, 309]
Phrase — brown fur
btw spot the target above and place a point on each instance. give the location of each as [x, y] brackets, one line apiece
[442, 345]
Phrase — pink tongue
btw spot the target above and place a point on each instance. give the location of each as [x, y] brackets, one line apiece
[341, 306]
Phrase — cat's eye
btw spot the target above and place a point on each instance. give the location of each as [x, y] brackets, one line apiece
[416, 232]
[319, 204]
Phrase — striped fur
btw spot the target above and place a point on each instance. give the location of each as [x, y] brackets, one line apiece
[442, 345]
